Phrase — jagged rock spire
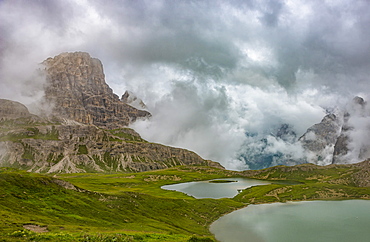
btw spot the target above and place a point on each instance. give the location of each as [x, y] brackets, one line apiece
[76, 87]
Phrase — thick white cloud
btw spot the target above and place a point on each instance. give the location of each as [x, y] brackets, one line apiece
[219, 77]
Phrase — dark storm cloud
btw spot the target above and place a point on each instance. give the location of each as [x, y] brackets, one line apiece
[170, 31]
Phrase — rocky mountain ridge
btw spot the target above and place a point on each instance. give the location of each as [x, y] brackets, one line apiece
[88, 118]
[339, 138]
[87, 128]
[38, 145]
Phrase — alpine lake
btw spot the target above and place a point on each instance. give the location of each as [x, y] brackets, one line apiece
[307, 221]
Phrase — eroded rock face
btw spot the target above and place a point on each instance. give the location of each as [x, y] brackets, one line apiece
[322, 134]
[56, 148]
[355, 110]
[321, 138]
[76, 87]
[11, 110]
[339, 139]
[87, 131]
[362, 177]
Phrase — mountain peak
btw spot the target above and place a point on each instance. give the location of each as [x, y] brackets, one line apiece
[76, 87]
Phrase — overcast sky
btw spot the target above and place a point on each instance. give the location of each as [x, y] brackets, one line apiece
[218, 76]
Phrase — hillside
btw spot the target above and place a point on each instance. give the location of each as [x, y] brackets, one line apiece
[85, 127]
[34, 144]
[79, 173]
[309, 182]
[133, 207]
[130, 207]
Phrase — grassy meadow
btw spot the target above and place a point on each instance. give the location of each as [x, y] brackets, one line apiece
[108, 207]
[133, 207]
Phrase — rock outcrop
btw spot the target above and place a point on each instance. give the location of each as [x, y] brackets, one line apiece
[68, 148]
[322, 134]
[354, 109]
[362, 177]
[132, 100]
[77, 90]
[87, 131]
[12, 110]
[319, 140]
[337, 139]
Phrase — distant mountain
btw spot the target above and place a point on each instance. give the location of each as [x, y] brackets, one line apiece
[319, 140]
[87, 128]
[334, 139]
[340, 138]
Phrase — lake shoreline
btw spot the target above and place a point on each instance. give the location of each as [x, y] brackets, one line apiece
[304, 216]
[276, 182]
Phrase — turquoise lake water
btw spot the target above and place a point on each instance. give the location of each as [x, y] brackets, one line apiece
[314, 221]
[206, 189]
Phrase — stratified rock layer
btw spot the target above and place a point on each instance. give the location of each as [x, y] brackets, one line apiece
[11, 109]
[88, 129]
[77, 89]
[56, 147]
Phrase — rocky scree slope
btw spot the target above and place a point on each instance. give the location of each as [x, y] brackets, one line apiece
[88, 129]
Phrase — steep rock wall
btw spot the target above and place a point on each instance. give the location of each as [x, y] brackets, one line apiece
[77, 90]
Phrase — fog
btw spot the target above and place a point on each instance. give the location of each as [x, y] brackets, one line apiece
[219, 77]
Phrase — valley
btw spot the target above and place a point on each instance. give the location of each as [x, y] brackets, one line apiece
[78, 172]
[133, 207]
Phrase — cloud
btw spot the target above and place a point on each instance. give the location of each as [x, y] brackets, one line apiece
[218, 76]
[358, 131]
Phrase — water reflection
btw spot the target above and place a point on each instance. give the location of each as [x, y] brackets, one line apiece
[327, 221]
[206, 189]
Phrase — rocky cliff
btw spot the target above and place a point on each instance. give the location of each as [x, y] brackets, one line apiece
[319, 140]
[338, 138]
[77, 90]
[45, 146]
[355, 114]
[87, 131]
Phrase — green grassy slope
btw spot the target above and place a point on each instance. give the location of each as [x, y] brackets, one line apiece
[133, 207]
[313, 183]
[111, 206]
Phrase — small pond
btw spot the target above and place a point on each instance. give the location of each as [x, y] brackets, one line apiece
[314, 221]
[227, 187]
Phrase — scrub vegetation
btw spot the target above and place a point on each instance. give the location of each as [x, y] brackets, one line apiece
[133, 207]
